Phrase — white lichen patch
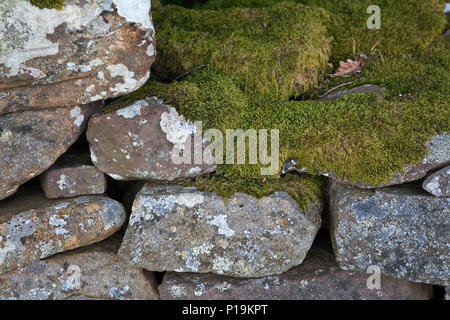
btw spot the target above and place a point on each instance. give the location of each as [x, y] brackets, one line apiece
[65, 182]
[130, 83]
[77, 115]
[176, 128]
[150, 50]
[132, 110]
[220, 221]
[190, 200]
[221, 265]
[177, 291]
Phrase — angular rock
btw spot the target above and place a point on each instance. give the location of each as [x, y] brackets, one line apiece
[72, 175]
[438, 184]
[175, 228]
[87, 51]
[31, 141]
[139, 141]
[94, 272]
[33, 228]
[402, 230]
[317, 278]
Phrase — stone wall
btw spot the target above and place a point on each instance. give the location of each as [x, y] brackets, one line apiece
[94, 206]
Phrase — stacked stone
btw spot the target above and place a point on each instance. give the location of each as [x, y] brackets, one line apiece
[209, 247]
[56, 65]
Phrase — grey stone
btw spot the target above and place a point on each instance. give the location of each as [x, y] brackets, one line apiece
[33, 227]
[31, 141]
[90, 273]
[317, 278]
[83, 52]
[438, 184]
[140, 141]
[403, 230]
[176, 228]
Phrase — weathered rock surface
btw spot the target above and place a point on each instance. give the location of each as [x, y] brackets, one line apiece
[366, 88]
[31, 141]
[33, 228]
[72, 175]
[317, 278]
[175, 228]
[438, 184]
[94, 272]
[138, 142]
[87, 51]
[401, 229]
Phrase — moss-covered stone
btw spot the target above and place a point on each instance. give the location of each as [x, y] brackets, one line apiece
[406, 25]
[50, 4]
[279, 51]
[362, 137]
[303, 189]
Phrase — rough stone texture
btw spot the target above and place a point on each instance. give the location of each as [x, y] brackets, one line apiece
[137, 143]
[31, 141]
[438, 184]
[87, 51]
[437, 156]
[401, 229]
[175, 228]
[94, 272]
[366, 88]
[33, 228]
[317, 278]
[72, 175]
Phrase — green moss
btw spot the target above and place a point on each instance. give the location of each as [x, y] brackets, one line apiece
[406, 25]
[302, 188]
[50, 4]
[279, 51]
[362, 137]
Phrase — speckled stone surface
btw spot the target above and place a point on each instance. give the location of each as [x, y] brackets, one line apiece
[438, 184]
[175, 228]
[317, 278]
[93, 272]
[31, 141]
[72, 175]
[84, 52]
[143, 141]
[401, 229]
[33, 228]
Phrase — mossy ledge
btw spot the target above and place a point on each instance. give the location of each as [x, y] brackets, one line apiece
[361, 137]
[305, 190]
[49, 4]
[406, 25]
[279, 51]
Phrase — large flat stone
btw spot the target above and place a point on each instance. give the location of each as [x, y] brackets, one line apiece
[93, 272]
[87, 51]
[403, 230]
[176, 228]
[31, 141]
[317, 278]
[137, 143]
[33, 227]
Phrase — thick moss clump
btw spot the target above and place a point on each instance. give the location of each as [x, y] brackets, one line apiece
[302, 188]
[50, 4]
[362, 137]
[279, 51]
[406, 25]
